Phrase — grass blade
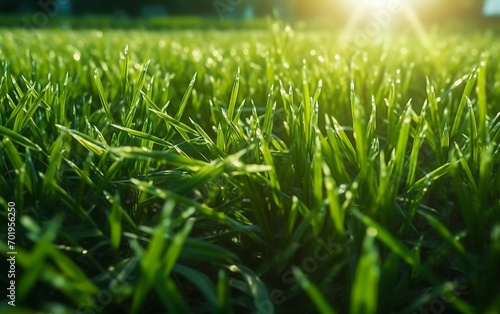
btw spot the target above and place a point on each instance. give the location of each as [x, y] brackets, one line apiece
[364, 292]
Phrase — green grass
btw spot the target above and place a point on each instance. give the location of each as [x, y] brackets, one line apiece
[251, 171]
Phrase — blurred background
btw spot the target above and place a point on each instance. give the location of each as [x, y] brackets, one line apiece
[21, 12]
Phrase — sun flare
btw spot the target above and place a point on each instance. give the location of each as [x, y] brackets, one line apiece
[379, 3]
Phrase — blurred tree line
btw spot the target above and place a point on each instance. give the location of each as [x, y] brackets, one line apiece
[455, 8]
[231, 8]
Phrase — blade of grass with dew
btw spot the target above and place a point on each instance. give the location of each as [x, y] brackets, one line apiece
[433, 108]
[235, 136]
[210, 143]
[383, 235]
[397, 164]
[417, 145]
[473, 136]
[22, 120]
[466, 168]
[19, 139]
[234, 96]
[143, 135]
[336, 211]
[102, 96]
[359, 125]
[89, 143]
[124, 65]
[267, 126]
[482, 103]
[18, 164]
[18, 112]
[463, 103]
[137, 94]
[180, 127]
[12, 154]
[51, 175]
[170, 158]
[431, 177]
[202, 208]
[185, 98]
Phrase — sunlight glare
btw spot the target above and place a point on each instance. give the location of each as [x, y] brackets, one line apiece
[378, 3]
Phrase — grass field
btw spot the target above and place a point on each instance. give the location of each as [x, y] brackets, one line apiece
[253, 171]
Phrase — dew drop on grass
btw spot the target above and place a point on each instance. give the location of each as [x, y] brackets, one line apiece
[233, 268]
[372, 232]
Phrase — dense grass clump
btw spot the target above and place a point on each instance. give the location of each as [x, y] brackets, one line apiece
[253, 171]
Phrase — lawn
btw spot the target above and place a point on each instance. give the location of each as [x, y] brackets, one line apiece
[253, 171]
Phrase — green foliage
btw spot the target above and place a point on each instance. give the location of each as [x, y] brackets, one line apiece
[238, 172]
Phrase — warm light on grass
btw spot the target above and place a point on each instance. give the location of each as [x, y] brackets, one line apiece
[252, 172]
